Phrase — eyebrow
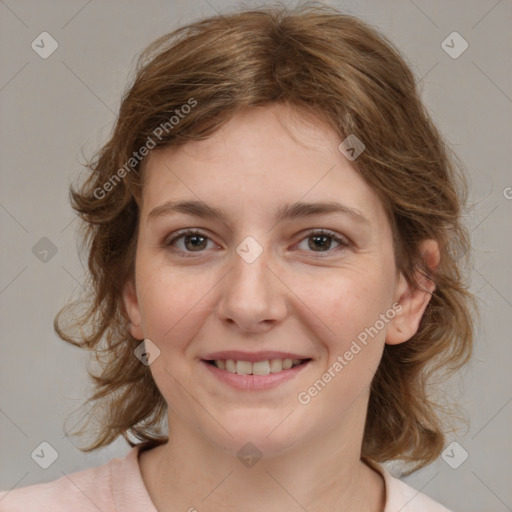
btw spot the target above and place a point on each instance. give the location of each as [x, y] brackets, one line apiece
[287, 212]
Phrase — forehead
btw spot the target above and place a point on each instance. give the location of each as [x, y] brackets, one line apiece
[262, 158]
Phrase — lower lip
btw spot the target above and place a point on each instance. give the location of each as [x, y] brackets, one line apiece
[254, 382]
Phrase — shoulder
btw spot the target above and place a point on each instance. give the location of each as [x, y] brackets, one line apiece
[404, 498]
[89, 490]
[116, 485]
[401, 497]
[85, 490]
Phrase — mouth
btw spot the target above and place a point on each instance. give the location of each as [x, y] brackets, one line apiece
[262, 367]
[254, 371]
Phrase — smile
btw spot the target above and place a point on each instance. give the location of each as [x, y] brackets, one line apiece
[264, 367]
[260, 374]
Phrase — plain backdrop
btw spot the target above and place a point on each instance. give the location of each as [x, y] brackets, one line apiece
[54, 108]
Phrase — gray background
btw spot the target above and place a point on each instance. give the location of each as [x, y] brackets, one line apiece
[54, 108]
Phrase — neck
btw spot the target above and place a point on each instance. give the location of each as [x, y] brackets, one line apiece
[190, 472]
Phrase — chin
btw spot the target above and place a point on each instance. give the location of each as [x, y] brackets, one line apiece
[267, 437]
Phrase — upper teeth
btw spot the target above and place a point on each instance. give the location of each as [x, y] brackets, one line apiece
[256, 368]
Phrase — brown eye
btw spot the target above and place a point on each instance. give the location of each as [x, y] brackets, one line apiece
[322, 241]
[188, 241]
[195, 242]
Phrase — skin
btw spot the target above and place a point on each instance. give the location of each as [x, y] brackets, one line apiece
[293, 297]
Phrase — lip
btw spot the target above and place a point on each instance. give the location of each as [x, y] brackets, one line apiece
[252, 357]
[254, 382]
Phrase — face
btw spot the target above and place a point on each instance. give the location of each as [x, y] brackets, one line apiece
[264, 280]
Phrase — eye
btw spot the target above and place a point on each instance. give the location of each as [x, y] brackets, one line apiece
[193, 241]
[190, 241]
[322, 240]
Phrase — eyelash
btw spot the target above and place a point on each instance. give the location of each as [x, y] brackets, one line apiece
[343, 242]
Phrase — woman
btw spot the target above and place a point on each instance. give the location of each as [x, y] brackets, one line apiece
[275, 238]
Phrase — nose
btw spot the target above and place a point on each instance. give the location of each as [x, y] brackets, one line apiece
[252, 297]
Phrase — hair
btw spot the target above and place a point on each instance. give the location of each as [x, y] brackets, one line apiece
[342, 72]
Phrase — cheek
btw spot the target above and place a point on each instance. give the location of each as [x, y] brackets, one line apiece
[173, 309]
[351, 338]
[347, 303]
[172, 302]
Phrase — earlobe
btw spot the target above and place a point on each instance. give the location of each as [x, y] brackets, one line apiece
[414, 299]
[131, 305]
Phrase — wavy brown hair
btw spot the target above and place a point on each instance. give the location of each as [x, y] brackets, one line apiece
[344, 73]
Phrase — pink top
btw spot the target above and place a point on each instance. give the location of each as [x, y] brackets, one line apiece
[118, 487]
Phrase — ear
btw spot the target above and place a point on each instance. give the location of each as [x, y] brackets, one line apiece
[414, 300]
[131, 305]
